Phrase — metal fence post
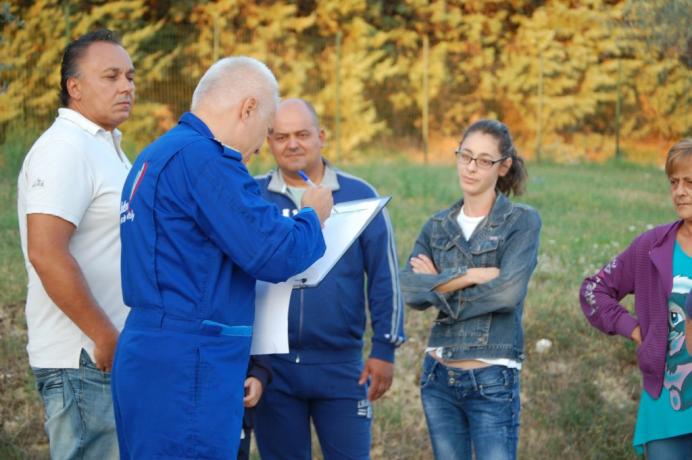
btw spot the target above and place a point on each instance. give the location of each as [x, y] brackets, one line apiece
[337, 105]
[426, 97]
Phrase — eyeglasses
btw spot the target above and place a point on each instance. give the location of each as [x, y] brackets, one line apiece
[482, 163]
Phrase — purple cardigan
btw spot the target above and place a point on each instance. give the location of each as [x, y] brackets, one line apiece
[645, 268]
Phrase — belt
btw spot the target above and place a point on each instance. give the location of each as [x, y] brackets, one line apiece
[157, 319]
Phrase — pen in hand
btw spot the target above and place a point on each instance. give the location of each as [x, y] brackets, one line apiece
[311, 184]
[305, 177]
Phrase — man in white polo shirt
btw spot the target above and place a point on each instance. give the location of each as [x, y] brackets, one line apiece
[68, 205]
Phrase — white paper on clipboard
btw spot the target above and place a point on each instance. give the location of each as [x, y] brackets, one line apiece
[270, 330]
[346, 223]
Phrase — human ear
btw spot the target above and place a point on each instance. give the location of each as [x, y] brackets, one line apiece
[249, 105]
[74, 89]
[505, 166]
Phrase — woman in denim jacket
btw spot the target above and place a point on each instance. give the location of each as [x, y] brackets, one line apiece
[657, 269]
[473, 262]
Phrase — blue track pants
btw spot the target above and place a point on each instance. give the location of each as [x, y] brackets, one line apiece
[327, 394]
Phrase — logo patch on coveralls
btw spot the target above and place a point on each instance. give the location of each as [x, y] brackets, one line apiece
[125, 212]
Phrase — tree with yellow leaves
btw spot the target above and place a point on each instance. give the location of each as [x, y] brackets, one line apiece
[553, 70]
[31, 51]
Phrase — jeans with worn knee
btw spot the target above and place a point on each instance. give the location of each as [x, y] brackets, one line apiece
[475, 410]
[676, 448]
[78, 411]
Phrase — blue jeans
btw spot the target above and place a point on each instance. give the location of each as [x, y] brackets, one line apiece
[78, 411]
[677, 448]
[469, 411]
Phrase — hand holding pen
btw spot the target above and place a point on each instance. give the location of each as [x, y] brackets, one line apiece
[318, 198]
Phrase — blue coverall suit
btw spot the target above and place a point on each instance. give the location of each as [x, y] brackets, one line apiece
[318, 380]
[196, 234]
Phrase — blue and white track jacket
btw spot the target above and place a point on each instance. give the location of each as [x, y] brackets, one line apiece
[326, 323]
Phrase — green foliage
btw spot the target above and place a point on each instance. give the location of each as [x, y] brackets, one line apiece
[667, 23]
[549, 69]
[568, 51]
[13, 150]
[300, 48]
[31, 50]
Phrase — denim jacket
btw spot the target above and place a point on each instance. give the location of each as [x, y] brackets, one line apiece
[484, 320]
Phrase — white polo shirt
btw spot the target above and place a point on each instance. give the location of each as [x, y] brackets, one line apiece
[76, 171]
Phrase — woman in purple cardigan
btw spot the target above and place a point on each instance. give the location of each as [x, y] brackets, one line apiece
[657, 269]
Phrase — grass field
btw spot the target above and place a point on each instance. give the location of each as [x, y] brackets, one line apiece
[579, 399]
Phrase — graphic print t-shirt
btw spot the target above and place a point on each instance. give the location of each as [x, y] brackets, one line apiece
[671, 414]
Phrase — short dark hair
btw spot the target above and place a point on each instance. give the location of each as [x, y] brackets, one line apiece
[75, 51]
[514, 181]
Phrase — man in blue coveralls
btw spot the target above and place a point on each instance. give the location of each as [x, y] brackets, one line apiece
[323, 378]
[196, 234]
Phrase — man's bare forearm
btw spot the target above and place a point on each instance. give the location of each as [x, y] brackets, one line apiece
[66, 286]
[48, 247]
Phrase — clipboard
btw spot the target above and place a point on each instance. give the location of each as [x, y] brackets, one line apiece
[347, 221]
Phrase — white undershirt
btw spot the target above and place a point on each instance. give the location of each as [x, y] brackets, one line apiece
[468, 226]
[296, 194]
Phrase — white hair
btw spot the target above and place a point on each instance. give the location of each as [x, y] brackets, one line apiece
[232, 79]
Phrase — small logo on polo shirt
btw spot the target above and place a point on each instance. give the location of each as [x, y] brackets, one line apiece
[38, 183]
